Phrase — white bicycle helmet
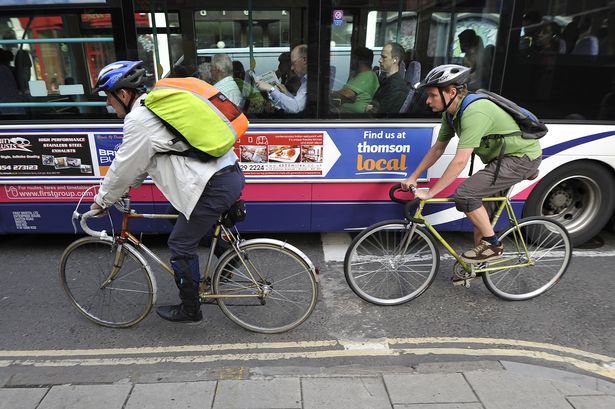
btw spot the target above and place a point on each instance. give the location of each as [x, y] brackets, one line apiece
[444, 75]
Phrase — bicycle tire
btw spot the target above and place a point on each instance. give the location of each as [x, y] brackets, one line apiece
[86, 264]
[549, 245]
[286, 291]
[379, 273]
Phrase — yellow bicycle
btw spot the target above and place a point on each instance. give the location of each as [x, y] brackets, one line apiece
[395, 261]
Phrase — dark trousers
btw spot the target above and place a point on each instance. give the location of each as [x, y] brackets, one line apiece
[218, 196]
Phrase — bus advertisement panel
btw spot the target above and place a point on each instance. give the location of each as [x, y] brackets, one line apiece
[327, 164]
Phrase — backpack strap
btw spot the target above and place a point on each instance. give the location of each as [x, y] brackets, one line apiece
[464, 104]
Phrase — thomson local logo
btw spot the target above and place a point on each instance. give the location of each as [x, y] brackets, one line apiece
[15, 144]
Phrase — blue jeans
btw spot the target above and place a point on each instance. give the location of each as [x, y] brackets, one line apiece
[218, 196]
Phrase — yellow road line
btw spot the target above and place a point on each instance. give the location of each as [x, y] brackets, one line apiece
[498, 341]
[595, 368]
[299, 344]
[166, 350]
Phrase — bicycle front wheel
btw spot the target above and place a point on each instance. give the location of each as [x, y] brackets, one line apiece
[386, 264]
[271, 288]
[109, 285]
[550, 251]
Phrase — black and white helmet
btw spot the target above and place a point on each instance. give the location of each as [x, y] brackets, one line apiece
[444, 75]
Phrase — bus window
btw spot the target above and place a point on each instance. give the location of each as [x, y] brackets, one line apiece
[371, 52]
[465, 38]
[159, 43]
[50, 63]
[561, 59]
[223, 39]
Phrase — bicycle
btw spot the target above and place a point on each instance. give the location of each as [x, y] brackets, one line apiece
[395, 261]
[263, 285]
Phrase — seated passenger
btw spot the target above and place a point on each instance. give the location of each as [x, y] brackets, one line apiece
[361, 87]
[253, 101]
[393, 88]
[548, 38]
[471, 45]
[222, 74]
[280, 97]
[286, 75]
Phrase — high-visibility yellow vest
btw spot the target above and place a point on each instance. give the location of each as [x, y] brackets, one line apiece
[197, 113]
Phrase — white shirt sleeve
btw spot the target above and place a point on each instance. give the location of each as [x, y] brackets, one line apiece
[289, 103]
[129, 166]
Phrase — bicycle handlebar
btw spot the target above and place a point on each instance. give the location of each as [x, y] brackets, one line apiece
[408, 204]
[83, 221]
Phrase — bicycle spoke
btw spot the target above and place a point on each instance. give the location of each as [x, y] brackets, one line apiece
[549, 249]
[124, 301]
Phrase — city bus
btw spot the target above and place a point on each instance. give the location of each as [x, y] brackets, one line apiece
[320, 170]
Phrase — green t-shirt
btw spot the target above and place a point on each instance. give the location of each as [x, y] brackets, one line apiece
[364, 85]
[482, 118]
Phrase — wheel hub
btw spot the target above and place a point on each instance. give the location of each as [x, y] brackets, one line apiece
[559, 200]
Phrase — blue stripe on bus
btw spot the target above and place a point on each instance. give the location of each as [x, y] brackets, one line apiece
[552, 150]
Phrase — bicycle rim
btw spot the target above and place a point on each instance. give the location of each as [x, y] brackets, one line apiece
[124, 301]
[550, 249]
[385, 266]
[282, 295]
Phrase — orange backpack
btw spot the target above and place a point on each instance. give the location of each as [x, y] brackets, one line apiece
[198, 114]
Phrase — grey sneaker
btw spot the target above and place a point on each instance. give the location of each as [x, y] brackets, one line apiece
[485, 251]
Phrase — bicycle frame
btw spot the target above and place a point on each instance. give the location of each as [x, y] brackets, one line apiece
[493, 266]
[204, 288]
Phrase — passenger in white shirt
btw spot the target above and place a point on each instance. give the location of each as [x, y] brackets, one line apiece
[222, 73]
[279, 95]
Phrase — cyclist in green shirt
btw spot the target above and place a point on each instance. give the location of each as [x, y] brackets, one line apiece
[446, 87]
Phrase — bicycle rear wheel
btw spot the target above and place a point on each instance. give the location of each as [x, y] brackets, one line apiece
[119, 301]
[550, 249]
[385, 266]
[271, 289]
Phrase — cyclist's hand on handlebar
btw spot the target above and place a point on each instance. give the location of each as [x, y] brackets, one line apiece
[96, 206]
[408, 184]
[423, 194]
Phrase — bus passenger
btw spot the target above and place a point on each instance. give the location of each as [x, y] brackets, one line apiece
[280, 97]
[472, 47]
[446, 87]
[222, 74]
[253, 101]
[393, 88]
[361, 87]
[199, 190]
[286, 75]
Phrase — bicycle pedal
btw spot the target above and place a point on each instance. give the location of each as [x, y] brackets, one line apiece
[465, 282]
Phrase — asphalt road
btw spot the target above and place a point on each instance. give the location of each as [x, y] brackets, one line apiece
[577, 313]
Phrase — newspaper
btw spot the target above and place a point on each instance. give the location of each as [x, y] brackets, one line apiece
[268, 77]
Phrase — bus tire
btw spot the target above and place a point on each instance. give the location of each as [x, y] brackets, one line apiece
[580, 195]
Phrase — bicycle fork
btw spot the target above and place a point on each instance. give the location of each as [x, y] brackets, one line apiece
[118, 260]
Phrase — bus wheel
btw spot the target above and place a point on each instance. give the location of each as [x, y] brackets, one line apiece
[581, 196]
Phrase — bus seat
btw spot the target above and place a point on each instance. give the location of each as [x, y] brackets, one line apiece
[402, 69]
[586, 46]
[413, 73]
[412, 77]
